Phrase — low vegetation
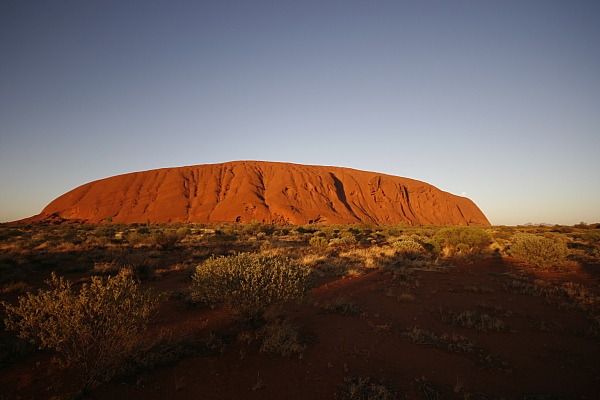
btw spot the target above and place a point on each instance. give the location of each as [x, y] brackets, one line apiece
[343, 306]
[365, 388]
[96, 330]
[538, 250]
[277, 337]
[456, 344]
[248, 283]
[473, 320]
[462, 240]
[100, 320]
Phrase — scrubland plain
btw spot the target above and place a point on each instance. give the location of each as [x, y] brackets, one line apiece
[255, 311]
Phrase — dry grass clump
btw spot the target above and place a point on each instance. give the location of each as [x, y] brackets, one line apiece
[405, 276]
[138, 263]
[280, 337]
[277, 337]
[318, 241]
[477, 289]
[405, 297]
[425, 389]
[105, 268]
[326, 262]
[372, 257]
[346, 238]
[453, 343]
[568, 295]
[342, 306]
[363, 388]
[355, 261]
[456, 344]
[15, 287]
[473, 320]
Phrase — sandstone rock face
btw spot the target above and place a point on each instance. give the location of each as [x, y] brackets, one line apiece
[267, 192]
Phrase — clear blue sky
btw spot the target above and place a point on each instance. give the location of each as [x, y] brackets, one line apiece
[499, 100]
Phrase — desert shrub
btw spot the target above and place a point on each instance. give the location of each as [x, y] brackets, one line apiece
[7, 232]
[462, 239]
[183, 231]
[95, 330]
[219, 236]
[105, 230]
[252, 228]
[136, 263]
[166, 240]
[431, 246]
[362, 388]
[596, 254]
[280, 337]
[105, 268]
[406, 247]
[538, 250]
[247, 283]
[140, 239]
[318, 241]
[592, 236]
[345, 238]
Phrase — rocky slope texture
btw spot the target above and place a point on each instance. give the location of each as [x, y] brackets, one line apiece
[267, 192]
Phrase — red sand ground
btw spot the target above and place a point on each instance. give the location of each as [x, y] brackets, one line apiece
[267, 192]
[555, 361]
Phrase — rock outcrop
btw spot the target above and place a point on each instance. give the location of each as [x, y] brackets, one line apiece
[267, 192]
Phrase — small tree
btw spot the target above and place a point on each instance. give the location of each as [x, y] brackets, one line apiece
[248, 283]
[95, 330]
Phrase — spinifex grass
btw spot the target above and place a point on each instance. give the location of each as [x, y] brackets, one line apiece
[455, 344]
[343, 306]
[473, 320]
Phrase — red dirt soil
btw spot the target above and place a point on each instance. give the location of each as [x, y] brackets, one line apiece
[267, 192]
[554, 361]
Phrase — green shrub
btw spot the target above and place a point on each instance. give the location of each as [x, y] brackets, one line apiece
[105, 230]
[538, 250]
[592, 236]
[431, 246]
[318, 241]
[462, 239]
[344, 239]
[406, 247]
[248, 283]
[95, 330]
[166, 240]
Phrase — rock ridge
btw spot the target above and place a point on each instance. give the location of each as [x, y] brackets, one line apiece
[268, 192]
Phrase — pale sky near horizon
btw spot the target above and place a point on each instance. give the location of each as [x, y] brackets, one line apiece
[495, 100]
